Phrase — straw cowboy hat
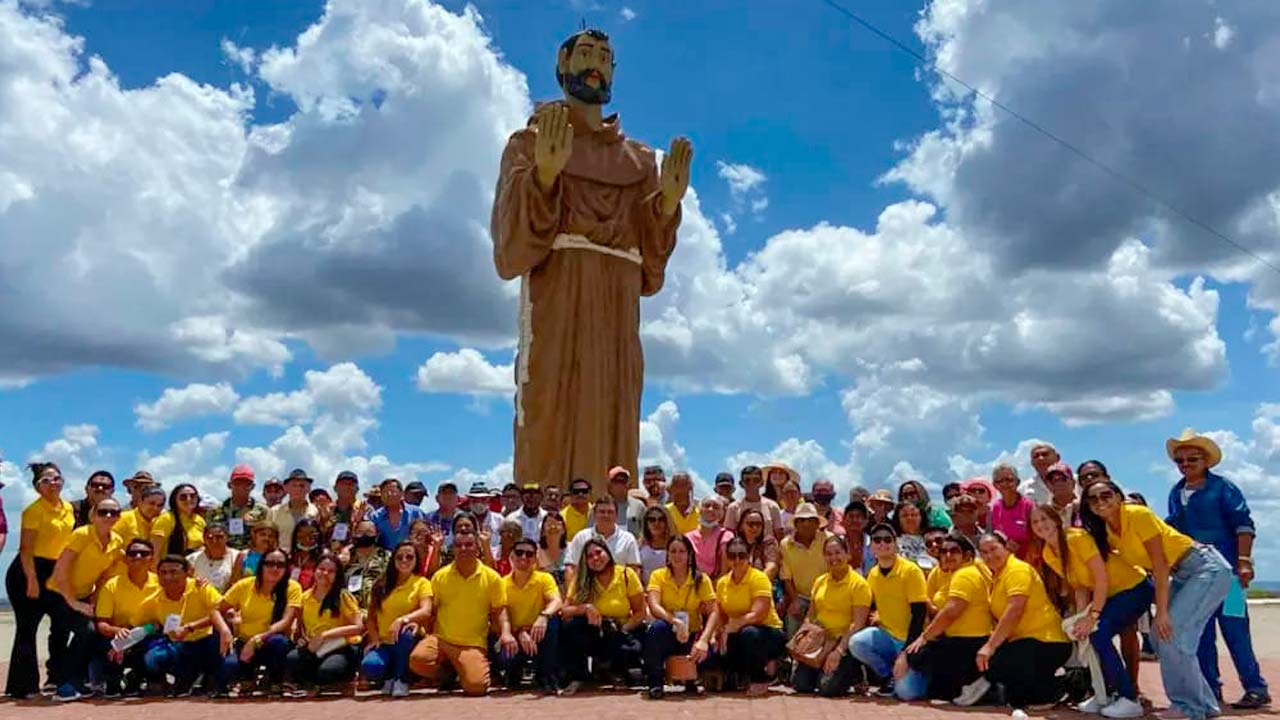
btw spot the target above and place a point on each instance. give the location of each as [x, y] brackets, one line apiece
[808, 511]
[791, 474]
[1189, 438]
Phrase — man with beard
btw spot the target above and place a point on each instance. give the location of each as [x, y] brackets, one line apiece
[582, 215]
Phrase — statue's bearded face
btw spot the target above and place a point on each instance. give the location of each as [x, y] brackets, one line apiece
[586, 70]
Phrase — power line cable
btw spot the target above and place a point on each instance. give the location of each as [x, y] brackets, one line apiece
[1072, 148]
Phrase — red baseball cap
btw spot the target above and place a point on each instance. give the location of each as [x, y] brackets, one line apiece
[242, 472]
[618, 470]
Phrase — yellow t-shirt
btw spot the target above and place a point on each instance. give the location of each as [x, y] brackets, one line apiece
[92, 560]
[802, 565]
[935, 586]
[53, 525]
[163, 527]
[1040, 620]
[834, 601]
[132, 526]
[684, 524]
[196, 603]
[120, 602]
[736, 597]
[894, 592]
[314, 623]
[682, 598]
[1137, 525]
[255, 608]
[524, 604]
[464, 604]
[574, 521]
[613, 600]
[971, 584]
[404, 599]
[1080, 550]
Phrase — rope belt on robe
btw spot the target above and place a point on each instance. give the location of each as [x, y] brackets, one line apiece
[563, 241]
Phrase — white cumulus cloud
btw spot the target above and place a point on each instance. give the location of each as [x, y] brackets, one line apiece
[194, 400]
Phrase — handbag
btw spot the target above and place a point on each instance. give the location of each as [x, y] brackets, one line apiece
[811, 644]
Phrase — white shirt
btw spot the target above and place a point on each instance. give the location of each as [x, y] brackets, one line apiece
[493, 523]
[771, 511]
[531, 527]
[1036, 489]
[650, 559]
[623, 545]
[216, 572]
[282, 517]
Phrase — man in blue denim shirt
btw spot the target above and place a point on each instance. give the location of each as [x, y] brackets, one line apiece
[1211, 509]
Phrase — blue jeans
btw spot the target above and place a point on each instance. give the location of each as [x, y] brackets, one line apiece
[1235, 632]
[1121, 611]
[183, 660]
[546, 663]
[1197, 588]
[269, 656]
[389, 661]
[877, 649]
[660, 643]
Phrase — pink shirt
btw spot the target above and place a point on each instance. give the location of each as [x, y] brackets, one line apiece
[707, 550]
[1014, 521]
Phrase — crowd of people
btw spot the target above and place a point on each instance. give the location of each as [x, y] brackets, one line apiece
[1022, 592]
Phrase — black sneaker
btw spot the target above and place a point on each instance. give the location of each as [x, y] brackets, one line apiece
[1252, 701]
[656, 693]
[886, 690]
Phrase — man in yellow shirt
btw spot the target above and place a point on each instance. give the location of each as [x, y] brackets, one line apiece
[901, 601]
[186, 615]
[577, 514]
[120, 618]
[802, 562]
[533, 604]
[682, 510]
[469, 602]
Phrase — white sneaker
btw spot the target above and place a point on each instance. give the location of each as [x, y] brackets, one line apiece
[400, 689]
[388, 686]
[1123, 708]
[973, 692]
[1093, 705]
[1019, 714]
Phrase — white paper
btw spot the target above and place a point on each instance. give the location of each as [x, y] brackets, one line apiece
[340, 532]
[353, 583]
[236, 526]
[172, 622]
[295, 573]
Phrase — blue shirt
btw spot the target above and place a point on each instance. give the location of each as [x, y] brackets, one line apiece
[1215, 514]
[444, 523]
[389, 537]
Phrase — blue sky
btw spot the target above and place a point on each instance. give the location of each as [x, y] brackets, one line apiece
[874, 270]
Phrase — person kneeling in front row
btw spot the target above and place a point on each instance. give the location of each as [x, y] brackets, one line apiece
[533, 606]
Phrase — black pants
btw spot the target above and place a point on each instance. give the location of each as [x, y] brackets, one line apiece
[302, 667]
[806, 680]
[73, 665]
[546, 663]
[751, 648]
[1026, 668]
[948, 664]
[607, 646]
[24, 667]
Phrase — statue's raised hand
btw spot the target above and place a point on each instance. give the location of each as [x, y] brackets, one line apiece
[674, 179]
[553, 145]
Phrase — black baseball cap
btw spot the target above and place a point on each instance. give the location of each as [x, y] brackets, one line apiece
[347, 475]
[416, 486]
[299, 474]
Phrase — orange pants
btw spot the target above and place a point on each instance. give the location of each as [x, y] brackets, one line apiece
[471, 663]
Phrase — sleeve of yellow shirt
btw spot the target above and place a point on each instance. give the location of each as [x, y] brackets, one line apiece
[1018, 581]
[760, 586]
[705, 592]
[1143, 522]
[963, 587]
[31, 516]
[655, 584]
[105, 607]
[861, 592]
[550, 592]
[293, 596]
[916, 590]
[633, 584]
[497, 593]
[236, 593]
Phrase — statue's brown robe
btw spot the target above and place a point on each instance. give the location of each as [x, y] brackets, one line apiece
[578, 397]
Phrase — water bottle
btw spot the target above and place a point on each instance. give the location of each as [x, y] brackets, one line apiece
[135, 636]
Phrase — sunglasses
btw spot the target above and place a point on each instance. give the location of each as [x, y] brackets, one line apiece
[655, 519]
[138, 554]
[50, 479]
[406, 558]
[1100, 497]
[932, 542]
[273, 563]
[523, 553]
[101, 486]
[736, 555]
[187, 496]
[580, 491]
[951, 551]
[881, 538]
[757, 523]
[108, 513]
[1187, 460]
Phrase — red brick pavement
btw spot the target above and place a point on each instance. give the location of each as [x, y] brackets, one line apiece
[781, 705]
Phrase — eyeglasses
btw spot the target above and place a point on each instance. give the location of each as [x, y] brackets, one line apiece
[753, 523]
[736, 555]
[108, 513]
[101, 486]
[273, 563]
[881, 538]
[49, 479]
[951, 551]
[405, 558]
[1100, 497]
[523, 553]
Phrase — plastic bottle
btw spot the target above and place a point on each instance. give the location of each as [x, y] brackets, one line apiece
[134, 637]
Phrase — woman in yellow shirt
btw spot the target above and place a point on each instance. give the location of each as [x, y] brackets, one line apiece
[604, 615]
[180, 529]
[1107, 594]
[1191, 581]
[1027, 645]
[119, 611]
[136, 522]
[46, 528]
[840, 603]
[946, 649]
[268, 604]
[400, 601]
[85, 564]
[329, 624]
[683, 606]
[751, 639]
